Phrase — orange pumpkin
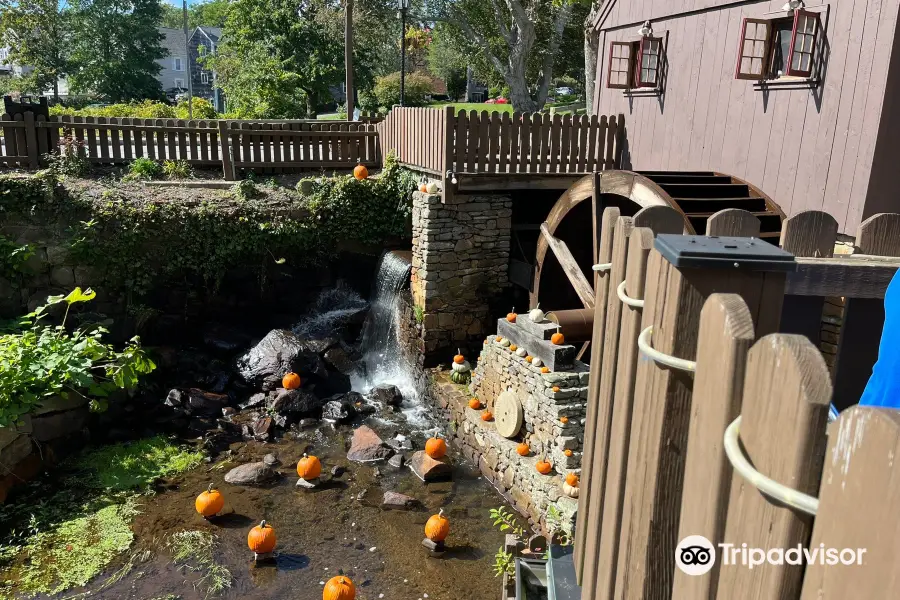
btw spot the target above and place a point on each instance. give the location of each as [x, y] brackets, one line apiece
[564, 420]
[557, 338]
[209, 503]
[261, 538]
[555, 388]
[523, 449]
[437, 528]
[513, 347]
[436, 448]
[339, 588]
[528, 359]
[545, 369]
[360, 172]
[543, 467]
[474, 403]
[572, 479]
[309, 467]
[487, 416]
[290, 381]
[423, 188]
[567, 452]
[459, 358]
[499, 338]
[511, 317]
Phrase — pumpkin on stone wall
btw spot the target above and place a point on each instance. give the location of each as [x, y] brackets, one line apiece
[487, 416]
[461, 371]
[511, 316]
[543, 467]
[523, 449]
[475, 404]
[570, 485]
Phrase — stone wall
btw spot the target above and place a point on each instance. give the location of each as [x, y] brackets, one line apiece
[459, 268]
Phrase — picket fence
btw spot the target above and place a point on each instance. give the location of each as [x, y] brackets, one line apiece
[656, 467]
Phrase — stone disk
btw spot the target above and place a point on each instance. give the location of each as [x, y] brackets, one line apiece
[508, 414]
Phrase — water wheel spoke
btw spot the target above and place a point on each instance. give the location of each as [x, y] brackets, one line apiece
[573, 272]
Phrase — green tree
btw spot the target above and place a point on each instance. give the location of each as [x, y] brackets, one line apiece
[519, 39]
[283, 45]
[37, 34]
[115, 47]
[212, 13]
[447, 61]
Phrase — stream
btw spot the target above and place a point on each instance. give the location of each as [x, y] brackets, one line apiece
[341, 525]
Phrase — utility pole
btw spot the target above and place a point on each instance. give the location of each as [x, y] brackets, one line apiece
[187, 52]
[348, 57]
[404, 5]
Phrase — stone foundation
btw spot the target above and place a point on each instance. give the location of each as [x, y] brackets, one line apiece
[459, 268]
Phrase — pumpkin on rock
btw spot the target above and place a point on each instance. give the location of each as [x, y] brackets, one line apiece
[511, 316]
[309, 467]
[361, 172]
[436, 448]
[543, 467]
[339, 588]
[474, 403]
[437, 528]
[459, 358]
[557, 339]
[209, 503]
[290, 381]
[461, 372]
[261, 538]
[487, 416]
[423, 188]
[570, 486]
[523, 449]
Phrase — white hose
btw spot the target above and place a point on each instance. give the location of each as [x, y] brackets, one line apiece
[620, 291]
[663, 359]
[769, 487]
[602, 267]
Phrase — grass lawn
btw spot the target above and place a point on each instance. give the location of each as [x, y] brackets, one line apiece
[479, 106]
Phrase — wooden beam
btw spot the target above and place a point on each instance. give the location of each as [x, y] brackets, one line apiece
[856, 276]
[473, 182]
[571, 268]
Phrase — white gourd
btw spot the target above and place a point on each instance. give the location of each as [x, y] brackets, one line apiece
[537, 362]
[568, 490]
[521, 352]
[536, 315]
[431, 187]
[463, 367]
[505, 343]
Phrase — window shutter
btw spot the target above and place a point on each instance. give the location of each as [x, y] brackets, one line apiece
[753, 50]
[621, 66]
[648, 62]
[803, 43]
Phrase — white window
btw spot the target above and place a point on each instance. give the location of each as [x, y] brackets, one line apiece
[179, 83]
[4, 54]
[204, 77]
[177, 64]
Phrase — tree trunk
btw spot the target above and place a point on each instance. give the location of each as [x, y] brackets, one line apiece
[470, 83]
[56, 90]
[310, 105]
[591, 55]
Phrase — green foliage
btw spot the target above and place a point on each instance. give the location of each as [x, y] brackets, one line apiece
[13, 257]
[244, 190]
[68, 159]
[115, 46]
[143, 168]
[38, 34]
[419, 314]
[134, 466]
[42, 361]
[211, 13]
[177, 169]
[194, 549]
[504, 563]
[558, 527]
[387, 89]
[203, 109]
[505, 520]
[448, 62]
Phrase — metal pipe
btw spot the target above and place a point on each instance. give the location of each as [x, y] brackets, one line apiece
[576, 324]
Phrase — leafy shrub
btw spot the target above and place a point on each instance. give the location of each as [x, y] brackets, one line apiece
[244, 190]
[203, 109]
[387, 89]
[42, 361]
[13, 257]
[135, 465]
[68, 160]
[177, 169]
[143, 168]
[148, 109]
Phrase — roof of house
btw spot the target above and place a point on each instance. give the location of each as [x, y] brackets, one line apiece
[173, 40]
[214, 34]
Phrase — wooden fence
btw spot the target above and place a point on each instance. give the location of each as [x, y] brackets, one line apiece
[438, 141]
[267, 147]
[655, 469]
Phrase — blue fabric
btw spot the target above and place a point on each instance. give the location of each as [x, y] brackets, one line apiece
[883, 388]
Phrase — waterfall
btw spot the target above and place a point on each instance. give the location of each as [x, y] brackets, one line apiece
[382, 354]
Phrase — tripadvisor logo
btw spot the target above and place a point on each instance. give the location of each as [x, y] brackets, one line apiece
[695, 555]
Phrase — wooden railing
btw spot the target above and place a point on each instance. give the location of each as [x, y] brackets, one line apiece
[655, 468]
[439, 140]
[263, 147]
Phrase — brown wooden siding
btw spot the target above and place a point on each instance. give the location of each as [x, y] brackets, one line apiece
[809, 149]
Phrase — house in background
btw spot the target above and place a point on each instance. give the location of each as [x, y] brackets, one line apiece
[174, 73]
[205, 41]
[802, 103]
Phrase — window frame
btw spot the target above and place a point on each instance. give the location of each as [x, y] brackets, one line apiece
[180, 87]
[629, 70]
[639, 81]
[204, 77]
[177, 64]
[790, 71]
[767, 52]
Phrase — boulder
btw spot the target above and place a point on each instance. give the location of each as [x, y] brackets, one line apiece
[279, 352]
[397, 461]
[386, 394]
[254, 400]
[398, 500]
[263, 428]
[271, 460]
[429, 469]
[319, 346]
[336, 383]
[366, 446]
[174, 398]
[294, 402]
[338, 410]
[339, 359]
[225, 339]
[253, 474]
[205, 403]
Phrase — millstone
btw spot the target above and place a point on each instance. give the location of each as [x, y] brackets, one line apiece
[507, 414]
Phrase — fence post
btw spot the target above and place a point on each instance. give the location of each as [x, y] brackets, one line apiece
[449, 129]
[726, 333]
[225, 151]
[31, 143]
[787, 391]
[733, 222]
[858, 507]
[662, 408]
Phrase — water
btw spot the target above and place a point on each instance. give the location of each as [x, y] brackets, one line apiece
[384, 361]
[334, 309]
